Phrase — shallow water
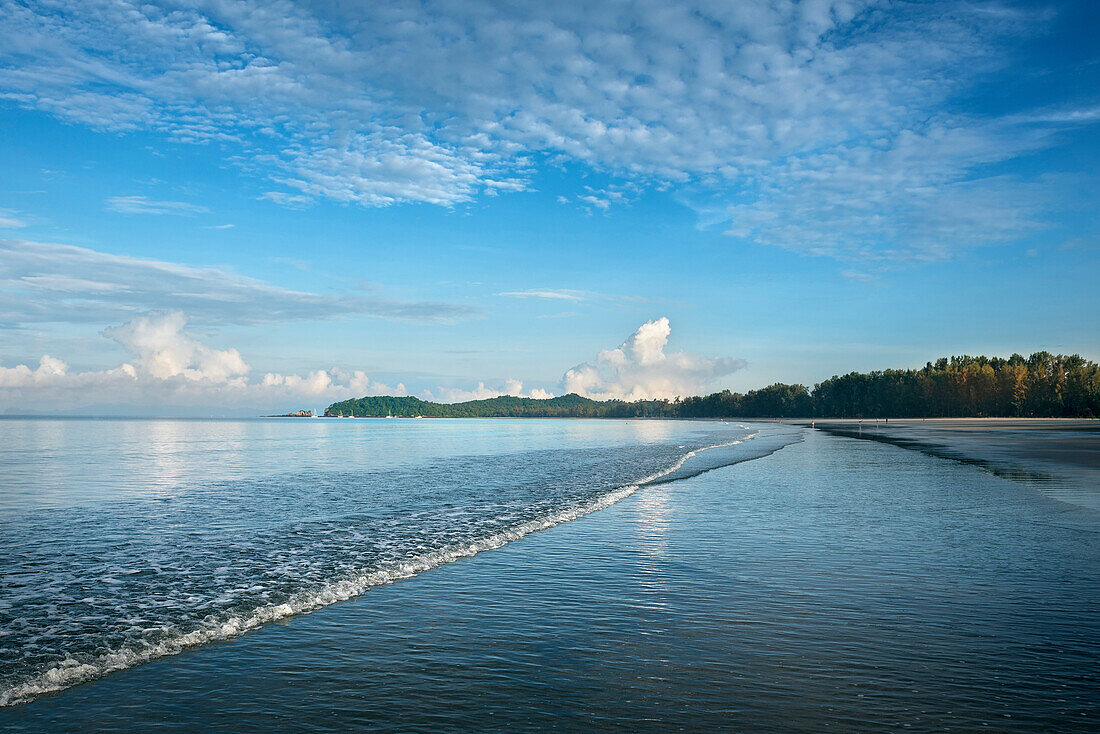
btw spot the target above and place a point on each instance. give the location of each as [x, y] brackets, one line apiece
[834, 584]
[127, 541]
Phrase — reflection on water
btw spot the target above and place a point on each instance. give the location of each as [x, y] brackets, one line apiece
[835, 585]
[1062, 462]
[125, 541]
[653, 512]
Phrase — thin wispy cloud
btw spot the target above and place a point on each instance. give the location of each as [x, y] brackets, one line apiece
[567, 294]
[294, 262]
[548, 294]
[857, 276]
[826, 127]
[291, 201]
[145, 205]
[9, 220]
[44, 282]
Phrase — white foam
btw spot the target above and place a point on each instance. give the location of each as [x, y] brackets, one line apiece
[71, 672]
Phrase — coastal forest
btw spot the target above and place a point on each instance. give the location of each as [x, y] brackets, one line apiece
[1042, 385]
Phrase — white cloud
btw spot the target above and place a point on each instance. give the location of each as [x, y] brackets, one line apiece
[333, 382]
[822, 123]
[172, 368]
[165, 351]
[549, 294]
[857, 276]
[566, 294]
[144, 205]
[292, 201]
[39, 283]
[481, 392]
[49, 370]
[8, 220]
[386, 167]
[641, 369]
[913, 198]
[604, 198]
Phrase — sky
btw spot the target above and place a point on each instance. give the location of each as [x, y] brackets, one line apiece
[229, 206]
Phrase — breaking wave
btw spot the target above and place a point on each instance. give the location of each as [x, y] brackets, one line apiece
[75, 670]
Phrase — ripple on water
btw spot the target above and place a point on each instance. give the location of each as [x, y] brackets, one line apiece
[216, 559]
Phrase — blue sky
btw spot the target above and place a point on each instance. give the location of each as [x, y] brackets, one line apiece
[240, 205]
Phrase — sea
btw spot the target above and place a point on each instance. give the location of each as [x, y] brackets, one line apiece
[531, 575]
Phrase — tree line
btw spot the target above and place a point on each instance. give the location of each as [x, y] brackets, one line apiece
[1042, 385]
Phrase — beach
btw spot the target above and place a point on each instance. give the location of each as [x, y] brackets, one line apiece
[1060, 455]
[453, 367]
[831, 584]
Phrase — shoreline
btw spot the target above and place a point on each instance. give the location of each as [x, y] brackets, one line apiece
[743, 598]
[694, 462]
[1061, 456]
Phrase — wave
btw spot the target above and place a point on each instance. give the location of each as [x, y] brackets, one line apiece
[71, 671]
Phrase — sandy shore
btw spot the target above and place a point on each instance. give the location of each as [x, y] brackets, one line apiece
[1062, 454]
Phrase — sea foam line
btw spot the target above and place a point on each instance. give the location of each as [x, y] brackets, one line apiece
[71, 672]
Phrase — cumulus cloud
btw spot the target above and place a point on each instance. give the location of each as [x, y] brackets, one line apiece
[165, 351]
[48, 371]
[641, 369]
[334, 382]
[171, 367]
[45, 282]
[823, 125]
[481, 392]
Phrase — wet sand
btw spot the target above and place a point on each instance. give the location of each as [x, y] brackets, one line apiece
[1060, 456]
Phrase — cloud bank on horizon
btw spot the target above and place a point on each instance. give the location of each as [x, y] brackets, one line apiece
[172, 368]
[829, 127]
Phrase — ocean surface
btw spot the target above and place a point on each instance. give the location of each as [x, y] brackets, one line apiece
[688, 575]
